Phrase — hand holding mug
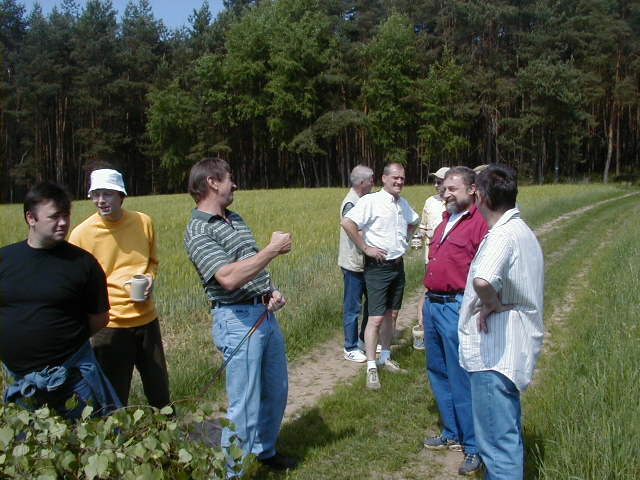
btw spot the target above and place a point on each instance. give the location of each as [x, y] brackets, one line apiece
[140, 287]
[149, 289]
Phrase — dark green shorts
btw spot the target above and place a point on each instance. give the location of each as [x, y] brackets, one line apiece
[385, 285]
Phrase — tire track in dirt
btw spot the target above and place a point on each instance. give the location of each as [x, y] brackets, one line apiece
[556, 222]
[563, 308]
[323, 368]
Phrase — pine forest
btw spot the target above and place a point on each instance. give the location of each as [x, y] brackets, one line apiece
[294, 93]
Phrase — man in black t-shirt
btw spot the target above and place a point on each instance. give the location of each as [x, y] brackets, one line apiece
[53, 297]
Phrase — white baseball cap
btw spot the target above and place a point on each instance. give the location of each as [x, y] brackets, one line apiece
[107, 179]
[440, 173]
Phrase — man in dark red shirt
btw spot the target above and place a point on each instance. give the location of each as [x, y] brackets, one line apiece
[454, 245]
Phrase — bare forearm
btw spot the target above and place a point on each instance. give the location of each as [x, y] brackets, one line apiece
[353, 233]
[152, 268]
[486, 293]
[233, 275]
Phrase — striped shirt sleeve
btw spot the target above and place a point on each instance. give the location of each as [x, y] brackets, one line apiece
[207, 255]
[492, 264]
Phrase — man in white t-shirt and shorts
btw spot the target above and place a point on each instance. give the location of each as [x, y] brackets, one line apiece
[386, 221]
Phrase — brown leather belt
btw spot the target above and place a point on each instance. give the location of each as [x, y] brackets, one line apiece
[442, 297]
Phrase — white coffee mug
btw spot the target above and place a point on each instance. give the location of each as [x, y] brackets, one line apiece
[138, 284]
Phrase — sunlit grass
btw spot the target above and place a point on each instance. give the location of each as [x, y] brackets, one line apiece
[308, 276]
[581, 418]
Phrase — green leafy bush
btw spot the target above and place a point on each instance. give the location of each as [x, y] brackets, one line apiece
[135, 443]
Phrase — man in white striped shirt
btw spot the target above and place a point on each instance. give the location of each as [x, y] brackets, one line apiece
[501, 324]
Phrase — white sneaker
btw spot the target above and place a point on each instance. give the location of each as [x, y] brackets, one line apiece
[373, 383]
[355, 356]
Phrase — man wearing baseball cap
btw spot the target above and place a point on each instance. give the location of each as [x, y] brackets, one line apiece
[432, 212]
[123, 242]
[433, 209]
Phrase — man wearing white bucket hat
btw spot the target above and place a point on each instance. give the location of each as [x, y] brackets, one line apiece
[124, 243]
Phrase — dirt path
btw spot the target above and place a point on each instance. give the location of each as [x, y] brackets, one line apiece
[324, 368]
[556, 222]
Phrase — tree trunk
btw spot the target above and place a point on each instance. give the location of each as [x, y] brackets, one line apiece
[556, 166]
[304, 178]
[607, 165]
[543, 159]
[61, 125]
[617, 145]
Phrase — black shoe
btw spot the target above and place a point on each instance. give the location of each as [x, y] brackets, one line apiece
[279, 462]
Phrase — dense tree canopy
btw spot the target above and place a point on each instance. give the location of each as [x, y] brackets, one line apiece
[296, 92]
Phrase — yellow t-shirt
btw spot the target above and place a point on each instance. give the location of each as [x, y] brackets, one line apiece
[123, 249]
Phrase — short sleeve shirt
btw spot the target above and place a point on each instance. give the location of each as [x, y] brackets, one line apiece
[383, 220]
[434, 207]
[450, 254]
[46, 296]
[213, 242]
[510, 259]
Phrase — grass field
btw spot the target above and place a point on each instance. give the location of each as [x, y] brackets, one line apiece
[572, 431]
[580, 416]
[308, 276]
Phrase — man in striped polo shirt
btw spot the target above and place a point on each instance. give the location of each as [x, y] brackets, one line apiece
[231, 267]
[501, 325]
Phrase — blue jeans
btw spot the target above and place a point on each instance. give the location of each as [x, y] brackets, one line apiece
[257, 383]
[354, 288]
[80, 376]
[496, 416]
[449, 381]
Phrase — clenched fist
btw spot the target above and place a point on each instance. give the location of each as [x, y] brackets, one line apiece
[281, 242]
